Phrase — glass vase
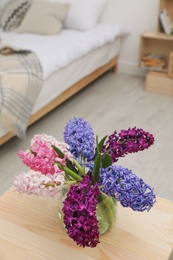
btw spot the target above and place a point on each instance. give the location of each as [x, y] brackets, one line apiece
[106, 210]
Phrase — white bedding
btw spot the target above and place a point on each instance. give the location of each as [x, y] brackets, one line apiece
[55, 52]
[61, 80]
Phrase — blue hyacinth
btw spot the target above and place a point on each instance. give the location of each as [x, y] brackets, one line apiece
[123, 185]
[79, 135]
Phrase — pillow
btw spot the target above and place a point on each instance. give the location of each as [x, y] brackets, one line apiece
[2, 5]
[83, 14]
[44, 18]
[12, 13]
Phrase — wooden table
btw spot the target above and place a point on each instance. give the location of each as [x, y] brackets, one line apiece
[30, 230]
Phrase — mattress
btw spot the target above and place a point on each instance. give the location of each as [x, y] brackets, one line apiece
[57, 51]
[68, 75]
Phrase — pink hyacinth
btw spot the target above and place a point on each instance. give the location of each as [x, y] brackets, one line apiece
[42, 157]
[38, 184]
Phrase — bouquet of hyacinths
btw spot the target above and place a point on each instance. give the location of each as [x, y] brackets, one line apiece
[85, 169]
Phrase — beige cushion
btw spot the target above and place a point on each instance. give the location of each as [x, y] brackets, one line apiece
[44, 18]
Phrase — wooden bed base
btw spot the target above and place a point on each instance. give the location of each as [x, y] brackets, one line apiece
[112, 64]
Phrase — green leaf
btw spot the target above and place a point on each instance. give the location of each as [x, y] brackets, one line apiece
[79, 167]
[97, 142]
[58, 151]
[97, 147]
[106, 161]
[70, 172]
[70, 165]
[100, 145]
[96, 170]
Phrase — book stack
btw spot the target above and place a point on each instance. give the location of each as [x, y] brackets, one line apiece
[153, 62]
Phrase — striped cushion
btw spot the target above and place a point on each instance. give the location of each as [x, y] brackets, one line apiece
[12, 13]
[2, 4]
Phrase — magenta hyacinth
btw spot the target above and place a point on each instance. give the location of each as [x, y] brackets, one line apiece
[80, 213]
[127, 141]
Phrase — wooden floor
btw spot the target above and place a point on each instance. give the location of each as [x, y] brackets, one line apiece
[114, 102]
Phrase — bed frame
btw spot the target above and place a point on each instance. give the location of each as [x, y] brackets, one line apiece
[112, 64]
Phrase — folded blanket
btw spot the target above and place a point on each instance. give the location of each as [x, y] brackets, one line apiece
[20, 83]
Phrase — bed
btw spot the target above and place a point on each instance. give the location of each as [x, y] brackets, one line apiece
[70, 60]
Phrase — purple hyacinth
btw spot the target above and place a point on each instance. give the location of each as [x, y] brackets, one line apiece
[127, 141]
[123, 185]
[79, 135]
[80, 213]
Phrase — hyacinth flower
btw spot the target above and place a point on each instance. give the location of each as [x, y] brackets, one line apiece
[80, 213]
[42, 157]
[82, 173]
[47, 173]
[127, 141]
[123, 185]
[79, 135]
[39, 184]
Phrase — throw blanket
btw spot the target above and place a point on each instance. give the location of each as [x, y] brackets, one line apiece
[20, 84]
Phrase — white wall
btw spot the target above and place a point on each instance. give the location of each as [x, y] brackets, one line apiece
[138, 16]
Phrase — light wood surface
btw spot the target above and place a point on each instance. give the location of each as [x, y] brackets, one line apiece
[157, 36]
[162, 44]
[156, 43]
[161, 83]
[67, 94]
[30, 229]
[170, 68]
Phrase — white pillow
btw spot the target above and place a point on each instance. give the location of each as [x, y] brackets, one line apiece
[83, 14]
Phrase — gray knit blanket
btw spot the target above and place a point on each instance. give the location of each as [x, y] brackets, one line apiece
[21, 79]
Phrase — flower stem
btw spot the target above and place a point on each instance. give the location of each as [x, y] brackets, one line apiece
[79, 167]
[70, 172]
[69, 182]
[52, 184]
